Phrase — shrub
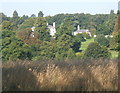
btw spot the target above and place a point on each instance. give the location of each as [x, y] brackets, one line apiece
[80, 55]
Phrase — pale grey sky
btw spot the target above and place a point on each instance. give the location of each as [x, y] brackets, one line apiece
[52, 7]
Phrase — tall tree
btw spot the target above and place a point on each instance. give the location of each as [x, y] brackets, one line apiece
[40, 14]
[15, 14]
[15, 20]
[41, 29]
[33, 15]
[64, 43]
[112, 12]
[13, 48]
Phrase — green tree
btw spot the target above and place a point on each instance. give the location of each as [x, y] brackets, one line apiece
[15, 20]
[94, 50]
[112, 12]
[76, 41]
[102, 40]
[25, 36]
[15, 14]
[7, 25]
[3, 17]
[103, 29]
[33, 15]
[41, 29]
[115, 41]
[80, 37]
[29, 23]
[22, 19]
[46, 50]
[13, 48]
[70, 54]
[64, 43]
[65, 28]
[40, 14]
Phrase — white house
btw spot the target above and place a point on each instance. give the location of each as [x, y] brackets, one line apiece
[81, 31]
[52, 29]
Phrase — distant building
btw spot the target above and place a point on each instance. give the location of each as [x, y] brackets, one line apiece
[52, 29]
[80, 31]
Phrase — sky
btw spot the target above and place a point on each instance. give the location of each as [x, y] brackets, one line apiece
[53, 7]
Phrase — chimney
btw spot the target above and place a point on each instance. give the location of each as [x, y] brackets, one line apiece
[54, 24]
[78, 27]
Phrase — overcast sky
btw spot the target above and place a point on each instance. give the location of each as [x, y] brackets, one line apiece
[52, 7]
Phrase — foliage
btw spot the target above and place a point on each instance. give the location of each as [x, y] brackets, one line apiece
[41, 29]
[102, 40]
[79, 55]
[33, 15]
[70, 54]
[7, 25]
[15, 14]
[115, 41]
[13, 48]
[26, 37]
[64, 43]
[15, 20]
[27, 24]
[3, 17]
[46, 50]
[94, 50]
[87, 36]
[66, 27]
[76, 43]
[40, 14]
[80, 37]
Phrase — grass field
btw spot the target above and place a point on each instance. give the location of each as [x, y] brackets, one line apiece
[85, 44]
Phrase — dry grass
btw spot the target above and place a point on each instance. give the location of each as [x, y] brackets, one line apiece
[72, 75]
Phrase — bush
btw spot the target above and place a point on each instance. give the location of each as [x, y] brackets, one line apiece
[94, 50]
[80, 55]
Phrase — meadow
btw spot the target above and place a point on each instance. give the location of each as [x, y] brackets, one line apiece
[69, 75]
